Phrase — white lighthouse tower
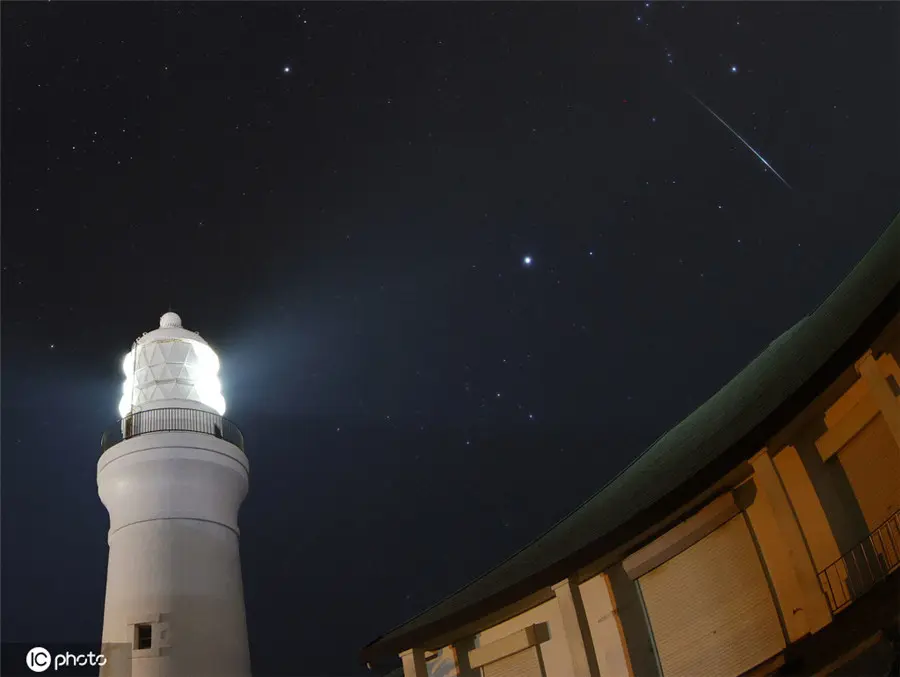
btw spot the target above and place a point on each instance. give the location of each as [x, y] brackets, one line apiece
[172, 476]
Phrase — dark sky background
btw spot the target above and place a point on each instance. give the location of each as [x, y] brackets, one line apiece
[341, 197]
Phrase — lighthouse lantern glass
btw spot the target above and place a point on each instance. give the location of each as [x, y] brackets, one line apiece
[159, 370]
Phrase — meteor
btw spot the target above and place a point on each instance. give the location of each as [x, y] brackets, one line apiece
[741, 139]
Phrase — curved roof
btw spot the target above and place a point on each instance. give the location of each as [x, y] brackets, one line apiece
[726, 430]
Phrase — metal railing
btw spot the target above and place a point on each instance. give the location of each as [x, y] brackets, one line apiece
[172, 420]
[863, 566]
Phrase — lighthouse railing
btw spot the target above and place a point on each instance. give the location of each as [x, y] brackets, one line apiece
[172, 419]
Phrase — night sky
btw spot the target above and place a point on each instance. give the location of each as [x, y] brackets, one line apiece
[461, 263]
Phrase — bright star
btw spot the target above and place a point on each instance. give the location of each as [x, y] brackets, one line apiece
[734, 68]
[527, 260]
[287, 69]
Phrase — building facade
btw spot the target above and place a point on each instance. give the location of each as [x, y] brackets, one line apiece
[759, 536]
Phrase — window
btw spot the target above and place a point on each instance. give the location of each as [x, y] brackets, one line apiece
[143, 636]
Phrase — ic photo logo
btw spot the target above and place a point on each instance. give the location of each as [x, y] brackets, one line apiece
[38, 659]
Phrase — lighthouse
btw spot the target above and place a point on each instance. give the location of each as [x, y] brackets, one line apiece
[172, 475]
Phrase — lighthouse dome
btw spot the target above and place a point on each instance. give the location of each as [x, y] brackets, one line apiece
[170, 319]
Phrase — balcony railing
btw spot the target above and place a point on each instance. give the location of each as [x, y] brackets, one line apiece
[863, 566]
[172, 420]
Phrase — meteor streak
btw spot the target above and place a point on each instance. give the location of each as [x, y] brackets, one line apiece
[752, 150]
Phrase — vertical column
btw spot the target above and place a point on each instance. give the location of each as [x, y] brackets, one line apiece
[804, 497]
[869, 369]
[461, 651]
[414, 663]
[575, 626]
[815, 605]
[639, 643]
[607, 635]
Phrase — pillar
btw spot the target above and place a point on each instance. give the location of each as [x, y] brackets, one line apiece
[584, 663]
[414, 663]
[815, 605]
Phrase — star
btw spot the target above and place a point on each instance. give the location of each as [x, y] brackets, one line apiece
[734, 68]
[287, 69]
[527, 260]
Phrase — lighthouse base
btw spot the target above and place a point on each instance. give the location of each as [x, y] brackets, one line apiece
[174, 597]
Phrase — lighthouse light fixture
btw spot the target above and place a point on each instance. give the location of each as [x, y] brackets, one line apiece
[160, 369]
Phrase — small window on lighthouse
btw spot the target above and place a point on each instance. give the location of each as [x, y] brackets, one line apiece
[143, 635]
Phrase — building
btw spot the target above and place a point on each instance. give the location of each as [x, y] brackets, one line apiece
[761, 535]
[172, 476]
